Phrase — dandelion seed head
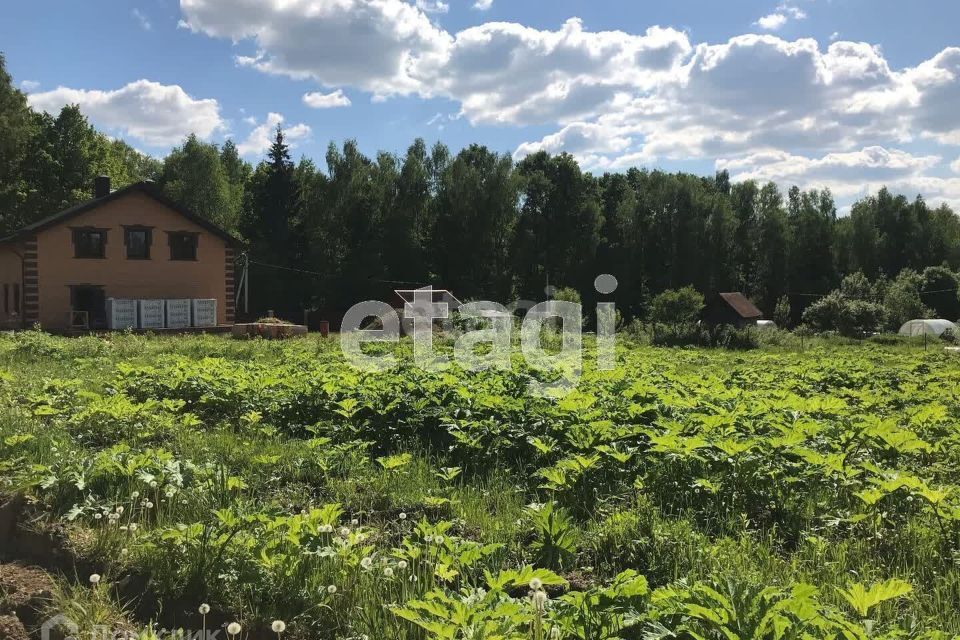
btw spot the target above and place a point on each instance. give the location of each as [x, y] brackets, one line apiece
[153, 484]
[95, 578]
[332, 589]
[148, 505]
[204, 609]
[233, 628]
[344, 532]
[536, 584]
[278, 626]
[97, 516]
[540, 599]
[366, 563]
[403, 516]
[402, 565]
[354, 522]
[388, 572]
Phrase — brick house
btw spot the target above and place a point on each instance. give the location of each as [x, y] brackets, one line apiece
[128, 243]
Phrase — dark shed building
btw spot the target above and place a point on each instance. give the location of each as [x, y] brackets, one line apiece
[731, 308]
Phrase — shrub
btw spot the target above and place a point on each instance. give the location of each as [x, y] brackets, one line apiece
[782, 312]
[676, 307]
[852, 318]
[903, 301]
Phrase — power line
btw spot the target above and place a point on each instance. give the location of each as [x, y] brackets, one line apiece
[822, 295]
[324, 275]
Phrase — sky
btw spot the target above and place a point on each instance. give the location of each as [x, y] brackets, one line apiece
[845, 94]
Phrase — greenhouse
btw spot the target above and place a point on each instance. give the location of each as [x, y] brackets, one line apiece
[928, 327]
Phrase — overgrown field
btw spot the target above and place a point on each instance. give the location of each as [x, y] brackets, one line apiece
[688, 494]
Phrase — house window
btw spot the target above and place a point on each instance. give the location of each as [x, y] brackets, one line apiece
[16, 298]
[89, 243]
[183, 246]
[137, 240]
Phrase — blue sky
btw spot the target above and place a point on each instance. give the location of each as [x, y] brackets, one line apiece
[847, 94]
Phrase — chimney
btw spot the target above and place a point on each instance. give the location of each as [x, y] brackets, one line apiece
[101, 186]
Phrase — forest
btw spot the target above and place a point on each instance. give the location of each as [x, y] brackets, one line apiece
[481, 223]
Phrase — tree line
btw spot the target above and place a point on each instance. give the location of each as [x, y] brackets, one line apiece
[479, 223]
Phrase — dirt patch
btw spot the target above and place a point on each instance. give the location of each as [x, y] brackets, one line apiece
[24, 591]
[12, 629]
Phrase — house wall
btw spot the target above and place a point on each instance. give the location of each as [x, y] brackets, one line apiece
[11, 283]
[157, 277]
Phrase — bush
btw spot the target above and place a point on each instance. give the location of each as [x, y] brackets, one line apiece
[903, 301]
[782, 312]
[728, 337]
[689, 335]
[849, 317]
[676, 307]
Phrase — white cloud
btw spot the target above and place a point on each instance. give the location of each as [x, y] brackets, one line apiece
[849, 175]
[261, 137]
[318, 100]
[433, 6]
[29, 85]
[371, 44]
[618, 98]
[482, 5]
[510, 74]
[772, 22]
[776, 20]
[870, 164]
[153, 113]
[142, 19]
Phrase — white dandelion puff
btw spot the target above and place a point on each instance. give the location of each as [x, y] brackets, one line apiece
[388, 572]
[536, 584]
[278, 626]
[332, 589]
[366, 563]
[233, 628]
[402, 565]
[95, 578]
[403, 516]
[204, 609]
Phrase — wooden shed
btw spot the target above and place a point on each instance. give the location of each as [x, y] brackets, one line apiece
[732, 309]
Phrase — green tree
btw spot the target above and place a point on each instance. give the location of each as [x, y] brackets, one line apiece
[558, 231]
[902, 300]
[194, 176]
[475, 216]
[16, 125]
[939, 290]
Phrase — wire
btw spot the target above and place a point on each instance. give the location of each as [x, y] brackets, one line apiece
[323, 275]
